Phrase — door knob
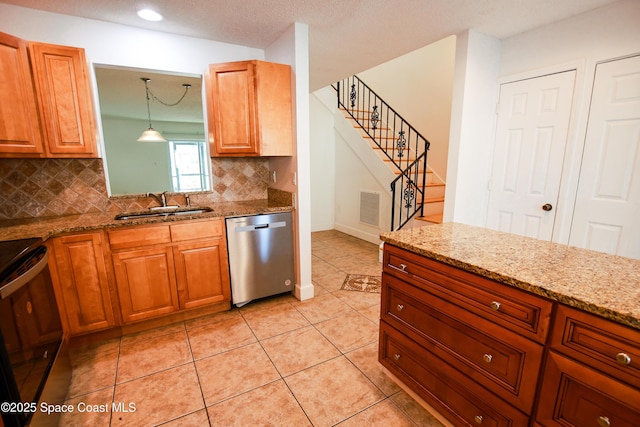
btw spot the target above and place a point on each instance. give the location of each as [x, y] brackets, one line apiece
[547, 207]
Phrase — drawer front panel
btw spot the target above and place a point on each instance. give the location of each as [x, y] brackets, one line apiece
[504, 362]
[574, 395]
[507, 306]
[139, 236]
[462, 401]
[605, 345]
[196, 230]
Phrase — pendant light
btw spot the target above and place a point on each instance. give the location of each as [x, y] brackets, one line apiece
[150, 135]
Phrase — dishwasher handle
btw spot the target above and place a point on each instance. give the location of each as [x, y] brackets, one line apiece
[245, 228]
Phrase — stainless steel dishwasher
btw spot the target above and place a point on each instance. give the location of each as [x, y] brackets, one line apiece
[260, 256]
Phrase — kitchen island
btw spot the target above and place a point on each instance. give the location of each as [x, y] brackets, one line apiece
[492, 328]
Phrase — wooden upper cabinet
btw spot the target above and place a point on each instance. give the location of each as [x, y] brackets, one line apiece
[46, 107]
[249, 109]
[19, 124]
[62, 84]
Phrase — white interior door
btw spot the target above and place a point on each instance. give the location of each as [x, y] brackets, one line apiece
[531, 135]
[607, 211]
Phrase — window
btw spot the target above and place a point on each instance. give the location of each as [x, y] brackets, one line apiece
[189, 166]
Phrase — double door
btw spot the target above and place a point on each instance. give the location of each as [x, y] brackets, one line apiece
[529, 155]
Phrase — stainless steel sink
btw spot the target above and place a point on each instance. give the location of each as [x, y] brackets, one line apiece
[161, 213]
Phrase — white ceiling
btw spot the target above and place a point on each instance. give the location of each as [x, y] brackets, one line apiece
[345, 36]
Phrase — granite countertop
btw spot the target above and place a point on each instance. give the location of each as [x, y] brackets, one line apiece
[605, 285]
[47, 227]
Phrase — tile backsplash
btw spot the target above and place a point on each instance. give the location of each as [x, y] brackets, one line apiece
[31, 188]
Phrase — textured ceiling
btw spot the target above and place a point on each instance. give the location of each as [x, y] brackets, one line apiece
[345, 36]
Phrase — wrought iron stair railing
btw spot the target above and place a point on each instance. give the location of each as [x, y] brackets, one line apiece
[400, 142]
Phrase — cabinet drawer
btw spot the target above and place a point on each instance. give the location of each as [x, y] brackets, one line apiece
[444, 387]
[574, 395]
[512, 308]
[500, 360]
[139, 236]
[196, 230]
[600, 343]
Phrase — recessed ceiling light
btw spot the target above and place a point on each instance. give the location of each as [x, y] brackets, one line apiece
[149, 15]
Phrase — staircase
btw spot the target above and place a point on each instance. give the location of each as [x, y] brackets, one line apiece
[417, 192]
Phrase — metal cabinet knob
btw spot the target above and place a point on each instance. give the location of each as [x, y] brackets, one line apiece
[403, 267]
[604, 421]
[623, 359]
[396, 356]
[487, 358]
[547, 207]
[400, 307]
[478, 419]
[495, 306]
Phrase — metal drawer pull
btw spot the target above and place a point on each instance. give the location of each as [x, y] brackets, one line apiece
[495, 306]
[487, 358]
[396, 356]
[478, 419]
[623, 359]
[403, 267]
[604, 421]
[400, 307]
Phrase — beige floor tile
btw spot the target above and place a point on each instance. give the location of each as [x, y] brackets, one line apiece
[322, 307]
[93, 368]
[372, 313]
[332, 280]
[223, 335]
[333, 391]
[269, 405]
[152, 333]
[359, 300]
[196, 419]
[416, 412]
[160, 397]
[383, 414]
[142, 357]
[79, 418]
[234, 372]
[366, 359]
[298, 350]
[349, 331]
[211, 319]
[270, 320]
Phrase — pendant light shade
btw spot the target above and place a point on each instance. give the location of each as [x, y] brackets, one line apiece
[151, 135]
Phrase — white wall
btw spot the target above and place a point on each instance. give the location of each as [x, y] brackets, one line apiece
[114, 44]
[472, 125]
[323, 155]
[482, 63]
[419, 86]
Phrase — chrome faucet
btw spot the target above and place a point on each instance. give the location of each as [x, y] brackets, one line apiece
[162, 198]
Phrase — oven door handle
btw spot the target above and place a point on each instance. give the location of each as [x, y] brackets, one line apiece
[25, 278]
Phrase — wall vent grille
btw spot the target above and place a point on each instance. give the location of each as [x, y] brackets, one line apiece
[370, 208]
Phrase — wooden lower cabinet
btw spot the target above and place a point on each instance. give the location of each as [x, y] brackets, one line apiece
[202, 273]
[80, 278]
[146, 283]
[484, 353]
[161, 269]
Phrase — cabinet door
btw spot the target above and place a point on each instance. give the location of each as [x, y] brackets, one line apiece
[232, 109]
[574, 395]
[146, 282]
[82, 281]
[62, 84]
[20, 127]
[202, 272]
